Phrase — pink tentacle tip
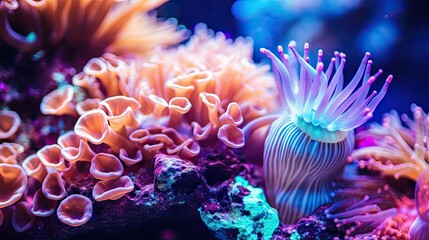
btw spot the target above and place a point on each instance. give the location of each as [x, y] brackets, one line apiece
[370, 62]
[280, 49]
[306, 46]
[367, 54]
[292, 44]
[319, 67]
[379, 72]
[389, 79]
[265, 51]
[343, 55]
[371, 80]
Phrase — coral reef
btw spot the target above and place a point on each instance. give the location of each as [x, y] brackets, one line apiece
[111, 127]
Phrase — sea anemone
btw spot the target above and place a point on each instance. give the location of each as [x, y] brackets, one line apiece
[56, 27]
[398, 151]
[420, 227]
[366, 206]
[402, 153]
[307, 146]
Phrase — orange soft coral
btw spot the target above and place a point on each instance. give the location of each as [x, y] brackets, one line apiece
[205, 89]
[84, 28]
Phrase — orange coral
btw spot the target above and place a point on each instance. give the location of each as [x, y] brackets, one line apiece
[112, 189]
[34, 167]
[59, 102]
[399, 151]
[200, 88]
[115, 26]
[13, 182]
[9, 123]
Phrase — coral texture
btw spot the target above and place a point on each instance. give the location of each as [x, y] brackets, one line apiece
[249, 214]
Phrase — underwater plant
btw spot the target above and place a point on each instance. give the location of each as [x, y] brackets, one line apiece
[308, 144]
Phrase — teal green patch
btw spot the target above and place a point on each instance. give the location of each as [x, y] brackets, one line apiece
[262, 220]
[31, 37]
[295, 236]
[58, 77]
[38, 55]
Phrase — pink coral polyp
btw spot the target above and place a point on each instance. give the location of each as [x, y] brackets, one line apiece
[34, 167]
[112, 189]
[9, 123]
[50, 155]
[75, 210]
[13, 182]
[106, 166]
[43, 206]
[53, 186]
[22, 218]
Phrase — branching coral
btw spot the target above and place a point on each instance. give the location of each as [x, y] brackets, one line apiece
[401, 152]
[304, 150]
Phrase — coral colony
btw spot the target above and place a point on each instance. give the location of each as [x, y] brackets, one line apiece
[111, 118]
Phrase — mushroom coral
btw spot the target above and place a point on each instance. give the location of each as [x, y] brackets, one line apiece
[401, 152]
[57, 27]
[308, 145]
